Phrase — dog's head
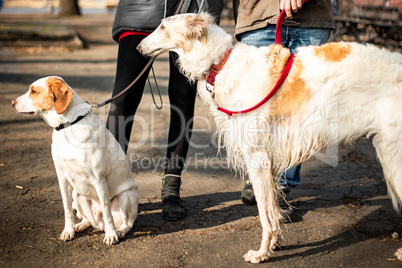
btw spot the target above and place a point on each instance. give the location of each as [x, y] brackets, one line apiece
[45, 94]
[176, 33]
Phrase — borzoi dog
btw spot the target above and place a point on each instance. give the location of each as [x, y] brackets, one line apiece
[358, 87]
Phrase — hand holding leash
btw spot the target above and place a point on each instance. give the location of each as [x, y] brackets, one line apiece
[290, 6]
[287, 12]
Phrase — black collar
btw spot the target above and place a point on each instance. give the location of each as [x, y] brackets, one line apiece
[68, 124]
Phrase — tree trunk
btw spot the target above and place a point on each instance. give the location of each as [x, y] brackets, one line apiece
[69, 8]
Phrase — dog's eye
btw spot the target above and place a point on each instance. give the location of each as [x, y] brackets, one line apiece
[162, 27]
[33, 91]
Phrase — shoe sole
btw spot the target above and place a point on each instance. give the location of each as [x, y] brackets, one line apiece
[248, 202]
[174, 218]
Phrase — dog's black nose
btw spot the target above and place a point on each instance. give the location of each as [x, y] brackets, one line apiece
[13, 102]
[139, 47]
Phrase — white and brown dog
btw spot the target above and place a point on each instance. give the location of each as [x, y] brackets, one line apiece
[358, 89]
[93, 172]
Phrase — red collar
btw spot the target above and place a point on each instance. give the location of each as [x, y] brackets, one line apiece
[215, 69]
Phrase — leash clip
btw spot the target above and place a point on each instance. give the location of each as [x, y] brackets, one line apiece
[210, 88]
[216, 104]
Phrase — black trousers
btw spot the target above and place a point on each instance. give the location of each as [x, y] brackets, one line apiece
[181, 96]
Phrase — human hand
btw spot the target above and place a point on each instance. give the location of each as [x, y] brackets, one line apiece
[290, 6]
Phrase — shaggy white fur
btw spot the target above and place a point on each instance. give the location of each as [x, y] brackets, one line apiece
[336, 92]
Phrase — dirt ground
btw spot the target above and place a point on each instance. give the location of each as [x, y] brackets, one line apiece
[343, 217]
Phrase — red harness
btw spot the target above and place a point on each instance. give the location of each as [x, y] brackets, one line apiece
[213, 72]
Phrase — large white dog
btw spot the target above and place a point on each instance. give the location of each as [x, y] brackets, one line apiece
[92, 169]
[358, 89]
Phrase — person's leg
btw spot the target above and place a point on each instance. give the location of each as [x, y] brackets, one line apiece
[258, 38]
[293, 38]
[298, 37]
[129, 64]
[291, 177]
[182, 99]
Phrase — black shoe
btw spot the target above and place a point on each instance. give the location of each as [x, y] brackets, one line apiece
[248, 197]
[286, 209]
[172, 205]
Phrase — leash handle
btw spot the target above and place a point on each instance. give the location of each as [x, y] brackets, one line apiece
[279, 22]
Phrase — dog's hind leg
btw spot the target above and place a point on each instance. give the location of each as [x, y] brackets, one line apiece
[83, 208]
[84, 224]
[265, 191]
[128, 209]
[389, 150]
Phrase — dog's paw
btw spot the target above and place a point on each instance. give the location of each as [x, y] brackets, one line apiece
[398, 254]
[111, 238]
[255, 256]
[123, 230]
[67, 235]
[120, 233]
[79, 227]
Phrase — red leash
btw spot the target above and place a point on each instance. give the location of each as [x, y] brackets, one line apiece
[210, 80]
[278, 84]
[279, 22]
[278, 30]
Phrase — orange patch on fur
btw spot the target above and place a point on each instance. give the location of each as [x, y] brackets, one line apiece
[41, 98]
[293, 94]
[332, 52]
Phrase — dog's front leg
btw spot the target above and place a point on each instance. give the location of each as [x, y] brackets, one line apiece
[66, 194]
[104, 199]
[264, 187]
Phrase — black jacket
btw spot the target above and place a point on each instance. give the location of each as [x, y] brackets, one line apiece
[146, 15]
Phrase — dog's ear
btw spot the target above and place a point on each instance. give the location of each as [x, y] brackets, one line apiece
[196, 28]
[207, 17]
[62, 94]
